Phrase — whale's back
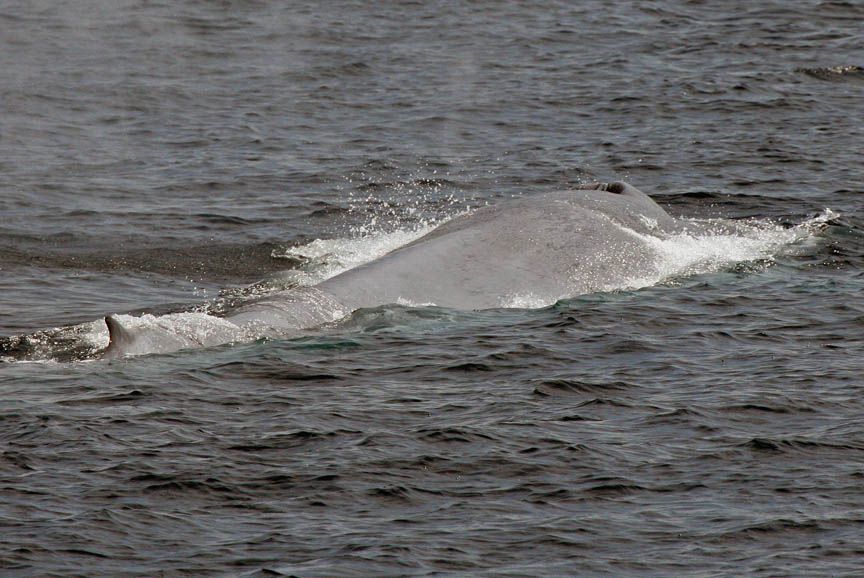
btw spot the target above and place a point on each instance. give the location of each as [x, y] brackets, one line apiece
[546, 247]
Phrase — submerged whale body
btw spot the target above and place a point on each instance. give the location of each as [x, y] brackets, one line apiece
[540, 248]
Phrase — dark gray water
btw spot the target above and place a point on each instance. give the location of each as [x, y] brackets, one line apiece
[155, 154]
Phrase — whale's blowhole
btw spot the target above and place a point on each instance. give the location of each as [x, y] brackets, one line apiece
[616, 188]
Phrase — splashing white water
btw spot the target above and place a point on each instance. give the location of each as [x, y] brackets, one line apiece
[714, 245]
[524, 301]
[397, 219]
[328, 257]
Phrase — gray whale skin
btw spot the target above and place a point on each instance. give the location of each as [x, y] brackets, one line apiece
[544, 248]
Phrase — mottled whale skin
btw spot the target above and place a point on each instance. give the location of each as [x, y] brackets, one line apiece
[544, 247]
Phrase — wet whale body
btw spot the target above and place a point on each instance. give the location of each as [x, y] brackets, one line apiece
[539, 249]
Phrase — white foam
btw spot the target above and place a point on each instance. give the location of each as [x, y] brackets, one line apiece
[401, 216]
[525, 301]
[715, 245]
[408, 303]
[329, 257]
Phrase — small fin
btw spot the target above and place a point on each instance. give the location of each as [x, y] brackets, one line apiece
[118, 336]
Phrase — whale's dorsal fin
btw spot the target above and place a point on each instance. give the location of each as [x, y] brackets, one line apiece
[119, 337]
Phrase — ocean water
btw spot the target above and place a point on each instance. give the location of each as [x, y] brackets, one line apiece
[178, 157]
